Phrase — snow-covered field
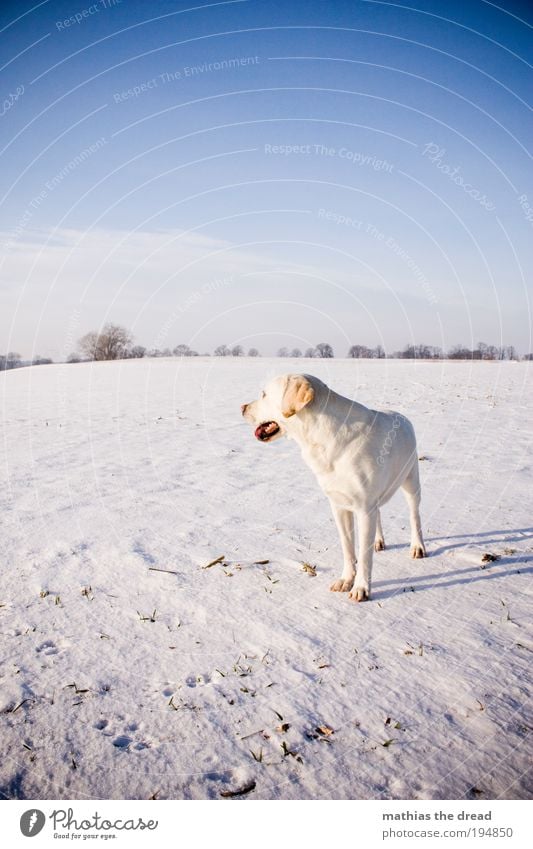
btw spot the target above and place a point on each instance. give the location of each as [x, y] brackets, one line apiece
[131, 670]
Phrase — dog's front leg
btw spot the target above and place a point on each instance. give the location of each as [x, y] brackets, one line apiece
[366, 524]
[344, 522]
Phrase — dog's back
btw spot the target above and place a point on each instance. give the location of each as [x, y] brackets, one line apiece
[361, 452]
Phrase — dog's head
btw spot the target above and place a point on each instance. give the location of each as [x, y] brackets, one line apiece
[283, 397]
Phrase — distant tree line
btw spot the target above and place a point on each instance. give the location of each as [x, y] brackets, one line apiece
[14, 360]
[9, 361]
[114, 342]
[323, 350]
[413, 352]
[460, 352]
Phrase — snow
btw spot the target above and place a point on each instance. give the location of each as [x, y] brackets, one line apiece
[131, 670]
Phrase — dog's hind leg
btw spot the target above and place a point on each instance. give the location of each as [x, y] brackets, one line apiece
[345, 527]
[411, 490]
[379, 542]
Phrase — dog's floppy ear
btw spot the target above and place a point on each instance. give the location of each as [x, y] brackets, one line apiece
[298, 393]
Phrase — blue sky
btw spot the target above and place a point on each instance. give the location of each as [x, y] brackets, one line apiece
[265, 173]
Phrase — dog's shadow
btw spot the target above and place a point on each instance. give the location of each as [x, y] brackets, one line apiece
[484, 538]
[505, 565]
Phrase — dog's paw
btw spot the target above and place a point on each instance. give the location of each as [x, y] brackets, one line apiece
[379, 545]
[360, 594]
[417, 552]
[341, 585]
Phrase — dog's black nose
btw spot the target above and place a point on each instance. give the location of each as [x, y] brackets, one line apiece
[244, 407]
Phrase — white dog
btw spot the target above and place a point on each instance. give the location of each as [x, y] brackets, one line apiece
[359, 456]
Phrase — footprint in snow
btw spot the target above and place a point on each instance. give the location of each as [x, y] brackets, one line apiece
[122, 741]
[197, 680]
[48, 647]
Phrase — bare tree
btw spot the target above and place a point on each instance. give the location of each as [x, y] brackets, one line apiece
[360, 352]
[111, 344]
[310, 352]
[424, 352]
[13, 360]
[324, 350]
[296, 352]
[237, 351]
[459, 352]
[222, 351]
[88, 345]
[182, 351]
[491, 353]
[74, 358]
[253, 352]
[283, 352]
[137, 352]
[510, 353]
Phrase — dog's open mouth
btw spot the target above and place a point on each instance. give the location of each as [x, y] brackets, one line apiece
[266, 431]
